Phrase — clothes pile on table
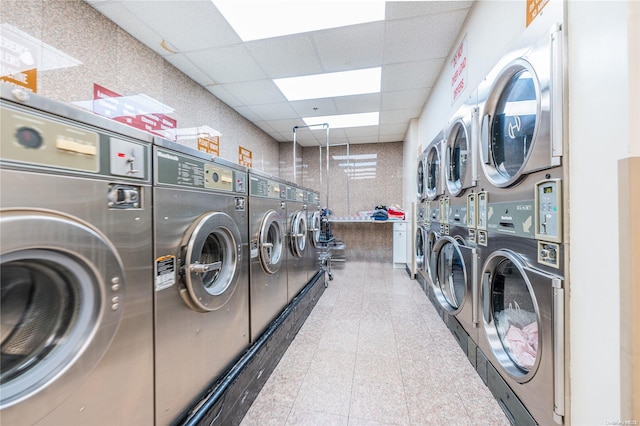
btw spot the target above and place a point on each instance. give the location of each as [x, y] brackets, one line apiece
[384, 213]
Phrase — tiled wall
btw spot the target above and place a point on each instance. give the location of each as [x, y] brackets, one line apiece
[83, 47]
[376, 178]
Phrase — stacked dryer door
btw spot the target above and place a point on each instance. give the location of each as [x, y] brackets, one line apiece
[267, 269]
[455, 255]
[296, 240]
[314, 216]
[520, 219]
[75, 249]
[201, 274]
[420, 245]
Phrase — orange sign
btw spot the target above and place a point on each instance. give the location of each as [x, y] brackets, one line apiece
[534, 8]
[210, 145]
[245, 157]
[27, 79]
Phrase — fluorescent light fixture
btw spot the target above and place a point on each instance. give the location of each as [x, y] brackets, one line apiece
[354, 165]
[346, 120]
[328, 85]
[255, 20]
[355, 157]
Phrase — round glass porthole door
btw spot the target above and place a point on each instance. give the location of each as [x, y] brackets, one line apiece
[314, 228]
[212, 259]
[420, 180]
[429, 253]
[298, 229]
[457, 155]
[419, 247]
[511, 315]
[270, 242]
[60, 304]
[450, 273]
[514, 112]
[433, 173]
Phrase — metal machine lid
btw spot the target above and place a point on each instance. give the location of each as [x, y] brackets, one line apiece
[211, 262]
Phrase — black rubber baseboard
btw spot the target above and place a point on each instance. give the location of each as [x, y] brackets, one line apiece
[229, 399]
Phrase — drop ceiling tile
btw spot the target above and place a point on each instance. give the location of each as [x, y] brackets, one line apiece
[256, 92]
[403, 99]
[325, 106]
[247, 113]
[354, 132]
[391, 138]
[395, 116]
[227, 64]
[286, 56]
[268, 112]
[285, 126]
[410, 75]
[224, 95]
[353, 47]
[188, 25]
[358, 103]
[422, 38]
[179, 61]
[408, 9]
[393, 129]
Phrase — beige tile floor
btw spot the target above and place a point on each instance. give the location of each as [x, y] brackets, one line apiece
[374, 352]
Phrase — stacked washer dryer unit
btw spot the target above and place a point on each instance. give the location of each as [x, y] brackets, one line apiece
[422, 225]
[434, 189]
[267, 268]
[520, 222]
[455, 254]
[201, 273]
[314, 220]
[75, 250]
[296, 240]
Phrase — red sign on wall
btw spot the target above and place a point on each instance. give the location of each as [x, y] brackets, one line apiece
[459, 70]
[128, 110]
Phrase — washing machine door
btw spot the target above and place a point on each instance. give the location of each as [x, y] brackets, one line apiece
[432, 185]
[518, 313]
[430, 255]
[211, 256]
[62, 291]
[298, 233]
[314, 228]
[421, 237]
[458, 158]
[453, 272]
[420, 181]
[270, 244]
[516, 129]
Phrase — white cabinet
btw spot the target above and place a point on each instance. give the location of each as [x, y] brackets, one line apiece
[400, 245]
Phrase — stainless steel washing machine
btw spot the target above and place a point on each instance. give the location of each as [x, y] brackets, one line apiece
[434, 185]
[420, 245]
[421, 174]
[201, 273]
[75, 249]
[314, 216]
[267, 268]
[296, 240]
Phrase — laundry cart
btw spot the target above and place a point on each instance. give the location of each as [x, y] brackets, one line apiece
[330, 249]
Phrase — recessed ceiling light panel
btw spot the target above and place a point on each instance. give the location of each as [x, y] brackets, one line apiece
[329, 85]
[346, 120]
[255, 20]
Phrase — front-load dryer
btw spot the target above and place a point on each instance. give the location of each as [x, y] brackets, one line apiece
[521, 118]
[267, 268]
[459, 160]
[201, 273]
[522, 325]
[434, 185]
[296, 240]
[75, 248]
[421, 174]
